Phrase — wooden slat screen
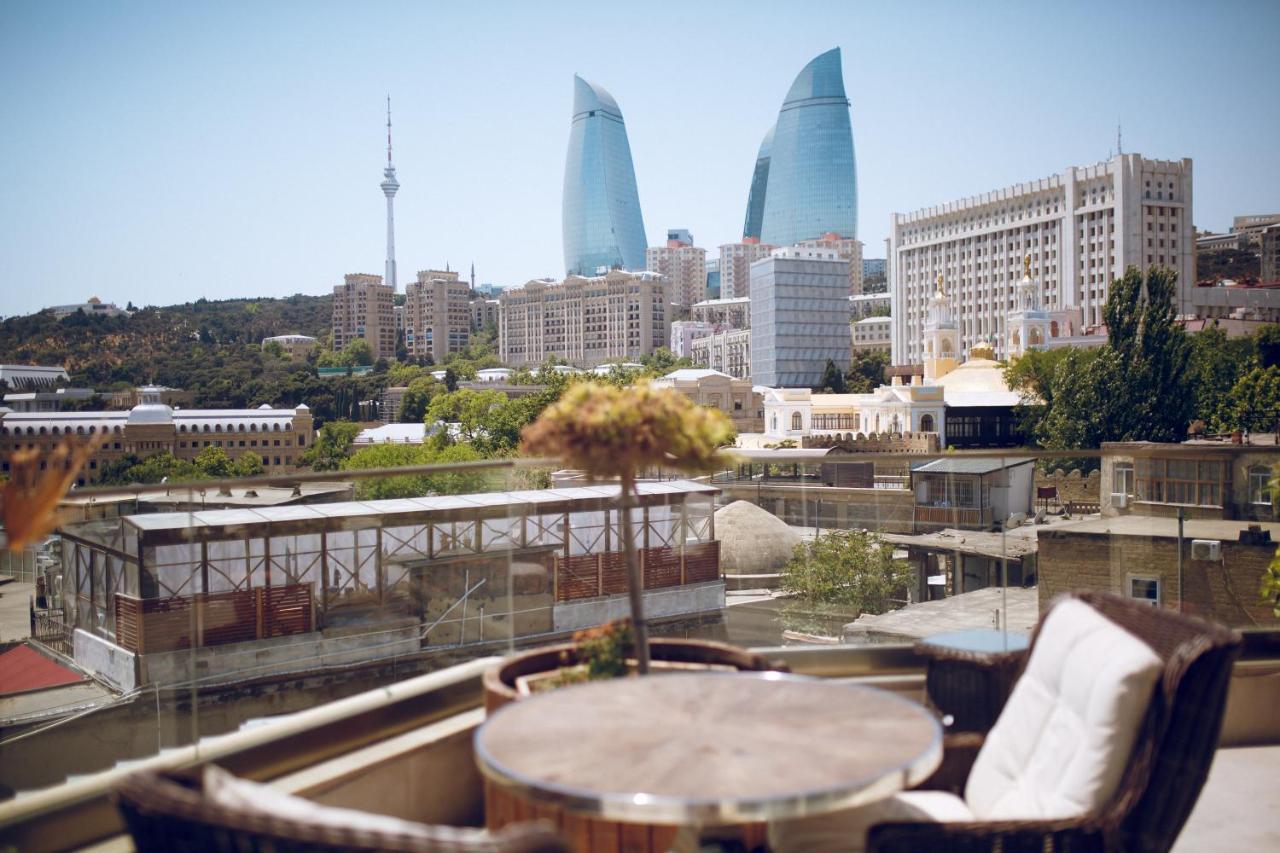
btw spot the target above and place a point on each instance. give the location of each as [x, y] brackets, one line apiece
[661, 568]
[215, 619]
[576, 577]
[614, 572]
[702, 562]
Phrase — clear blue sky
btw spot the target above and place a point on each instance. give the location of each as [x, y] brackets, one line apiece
[160, 152]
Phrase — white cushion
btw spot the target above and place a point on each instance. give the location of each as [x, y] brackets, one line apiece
[1062, 741]
[241, 794]
[847, 830]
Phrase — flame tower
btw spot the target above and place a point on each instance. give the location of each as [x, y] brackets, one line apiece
[389, 188]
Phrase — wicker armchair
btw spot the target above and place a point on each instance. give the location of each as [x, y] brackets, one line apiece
[1167, 768]
[171, 812]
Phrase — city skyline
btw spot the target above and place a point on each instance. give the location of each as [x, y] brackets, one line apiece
[150, 161]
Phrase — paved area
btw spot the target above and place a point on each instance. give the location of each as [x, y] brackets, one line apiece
[1239, 808]
[957, 613]
[15, 616]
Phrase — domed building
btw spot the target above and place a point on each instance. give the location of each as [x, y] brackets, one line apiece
[753, 541]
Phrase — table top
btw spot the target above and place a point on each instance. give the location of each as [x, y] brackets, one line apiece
[709, 748]
[978, 640]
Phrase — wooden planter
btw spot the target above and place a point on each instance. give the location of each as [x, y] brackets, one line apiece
[589, 834]
[500, 680]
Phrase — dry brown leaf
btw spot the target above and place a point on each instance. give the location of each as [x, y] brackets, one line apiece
[29, 500]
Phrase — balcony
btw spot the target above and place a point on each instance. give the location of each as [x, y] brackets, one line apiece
[349, 670]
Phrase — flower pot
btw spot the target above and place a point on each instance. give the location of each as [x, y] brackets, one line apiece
[500, 685]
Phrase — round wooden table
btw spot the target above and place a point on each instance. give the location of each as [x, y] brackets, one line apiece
[709, 749]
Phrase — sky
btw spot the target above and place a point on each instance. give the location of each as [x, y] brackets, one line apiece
[157, 153]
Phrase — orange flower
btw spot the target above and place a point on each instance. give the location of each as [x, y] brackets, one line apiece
[29, 500]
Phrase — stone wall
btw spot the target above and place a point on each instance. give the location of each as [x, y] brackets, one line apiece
[1072, 486]
[1225, 590]
[882, 442]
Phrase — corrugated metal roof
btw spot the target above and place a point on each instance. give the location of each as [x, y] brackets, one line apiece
[363, 509]
[969, 466]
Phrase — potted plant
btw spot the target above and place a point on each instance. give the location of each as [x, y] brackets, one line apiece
[611, 432]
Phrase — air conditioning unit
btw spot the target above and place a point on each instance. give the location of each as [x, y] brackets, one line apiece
[1120, 500]
[1206, 549]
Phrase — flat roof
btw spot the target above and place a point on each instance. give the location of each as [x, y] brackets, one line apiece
[1014, 544]
[969, 466]
[419, 510]
[1153, 526]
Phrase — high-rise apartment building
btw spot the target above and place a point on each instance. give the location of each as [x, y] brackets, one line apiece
[584, 321]
[812, 184]
[683, 265]
[363, 308]
[799, 316]
[437, 314]
[847, 249]
[713, 278]
[603, 227]
[735, 266]
[1082, 228]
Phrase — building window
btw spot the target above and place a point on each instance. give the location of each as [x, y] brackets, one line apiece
[926, 423]
[1260, 485]
[1143, 588]
[796, 421]
[1121, 484]
[773, 423]
[1179, 481]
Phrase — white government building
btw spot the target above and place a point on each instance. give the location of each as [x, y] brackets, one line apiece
[1081, 227]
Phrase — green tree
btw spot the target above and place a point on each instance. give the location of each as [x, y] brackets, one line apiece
[832, 379]
[471, 410]
[847, 570]
[1031, 376]
[214, 462]
[1217, 364]
[392, 456]
[1136, 387]
[358, 352]
[866, 371]
[248, 465]
[1253, 403]
[417, 397]
[331, 446]
[450, 379]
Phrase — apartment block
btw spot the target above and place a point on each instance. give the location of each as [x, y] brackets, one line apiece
[1081, 228]
[728, 352]
[484, 312]
[725, 313]
[846, 249]
[437, 314]
[683, 265]
[1271, 255]
[363, 308]
[585, 321]
[735, 266]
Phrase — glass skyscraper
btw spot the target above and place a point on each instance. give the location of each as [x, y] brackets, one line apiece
[602, 224]
[759, 188]
[812, 183]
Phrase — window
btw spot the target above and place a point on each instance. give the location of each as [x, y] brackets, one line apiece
[1260, 485]
[926, 423]
[1121, 484]
[1179, 481]
[796, 421]
[1144, 589]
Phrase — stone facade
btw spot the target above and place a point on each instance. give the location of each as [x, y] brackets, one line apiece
[584, 321]
[735, 397]
[437, 314]
[728, 352]
[1225, 590]
[685, 269]
[735, 266]
[363, 308]
[279, 436]
[1082, 227]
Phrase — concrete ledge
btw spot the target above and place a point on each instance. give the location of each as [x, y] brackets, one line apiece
[296, 653]
[687, 600]
[114, 665]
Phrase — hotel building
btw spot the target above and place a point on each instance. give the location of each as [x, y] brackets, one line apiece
[585, 321]
[1082, 228]
[683, 265]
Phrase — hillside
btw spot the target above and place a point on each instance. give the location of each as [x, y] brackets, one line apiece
[157, 344]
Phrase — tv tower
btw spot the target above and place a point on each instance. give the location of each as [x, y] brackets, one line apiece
[389, 187]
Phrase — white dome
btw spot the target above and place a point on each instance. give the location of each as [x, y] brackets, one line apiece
[150, 413]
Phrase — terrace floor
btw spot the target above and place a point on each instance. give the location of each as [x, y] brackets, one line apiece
[1239, 808]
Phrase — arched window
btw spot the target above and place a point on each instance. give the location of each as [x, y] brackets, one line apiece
[79, 430]
[242, 427]
[275, 427]
[252, 428]
[43, 430]
[206, 428]
[797, 422]
[1053, 329]
[55, 430]
[926, 423]
[773, 424]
